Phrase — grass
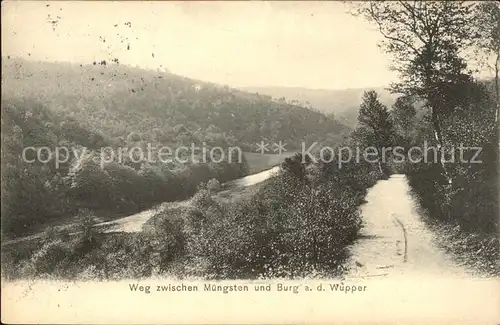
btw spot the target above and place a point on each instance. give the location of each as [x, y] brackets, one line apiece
[479, 252]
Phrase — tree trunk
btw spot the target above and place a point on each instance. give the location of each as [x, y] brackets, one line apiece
[438, 135]
[497, 91]
[439, 139]
[380, 168]
[437, 128]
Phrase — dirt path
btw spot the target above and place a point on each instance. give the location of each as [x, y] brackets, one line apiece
[391, 220]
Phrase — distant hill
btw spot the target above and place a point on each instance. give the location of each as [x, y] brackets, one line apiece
[344, 104]
[106, 104]
[116, 99]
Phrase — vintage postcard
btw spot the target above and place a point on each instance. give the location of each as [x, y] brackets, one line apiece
[173, 162]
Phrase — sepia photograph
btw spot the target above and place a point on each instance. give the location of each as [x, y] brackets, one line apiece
[240, 162]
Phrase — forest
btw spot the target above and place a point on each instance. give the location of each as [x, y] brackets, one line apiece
[297, 224]
[62, 105]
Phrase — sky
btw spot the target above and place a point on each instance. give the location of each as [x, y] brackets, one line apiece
[293, 44]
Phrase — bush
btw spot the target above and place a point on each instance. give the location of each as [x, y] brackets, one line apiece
[213, 185]
[292, 227]
[48, 258]
[464, 212]
[202, 200]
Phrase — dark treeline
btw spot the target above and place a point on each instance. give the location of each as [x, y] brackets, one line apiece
[86, 108]
[443, 108]
[116, 100]
[36, 190]
[297, 224]
[300, 222]
[465, 197]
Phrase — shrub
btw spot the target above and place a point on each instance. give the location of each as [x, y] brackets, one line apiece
[213, 185]
[293, 226]
[48, 259]
[202, 200]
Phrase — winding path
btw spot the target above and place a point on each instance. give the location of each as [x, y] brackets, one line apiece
[391, 219]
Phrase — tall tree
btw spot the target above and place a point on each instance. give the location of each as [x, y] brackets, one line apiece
[425, 39]
[403, 114]
[487, 40]
[375, 117]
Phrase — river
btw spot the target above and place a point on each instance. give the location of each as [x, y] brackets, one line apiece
[394, 240]
[423, 286]
[135, 222]
[254, 178]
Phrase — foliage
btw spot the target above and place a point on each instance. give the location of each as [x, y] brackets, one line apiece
[161, 107]
[376, 125]
[298, 224]
[470, 205]
[376, 118]
[403, 115]
[428, 41]
[424, 38]
[81, 178]
[213, 185]
[478, 251]
[487, 39]
[165, 110]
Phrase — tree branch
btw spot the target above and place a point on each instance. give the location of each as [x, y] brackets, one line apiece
[395, 39]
